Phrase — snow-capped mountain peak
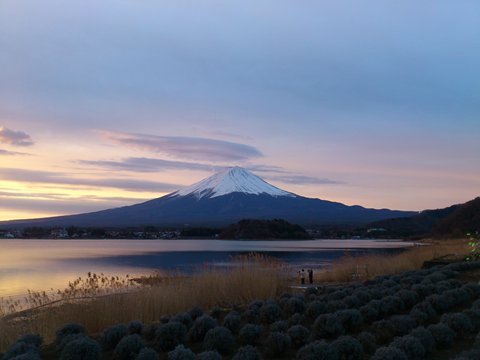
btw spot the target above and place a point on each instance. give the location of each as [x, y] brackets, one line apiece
[235, 179]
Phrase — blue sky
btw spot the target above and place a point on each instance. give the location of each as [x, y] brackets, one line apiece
[373, 103]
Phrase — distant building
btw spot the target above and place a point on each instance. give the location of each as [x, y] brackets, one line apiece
[59, 233]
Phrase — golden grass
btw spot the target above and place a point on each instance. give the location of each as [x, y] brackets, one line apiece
[253, 277]
[369, 266]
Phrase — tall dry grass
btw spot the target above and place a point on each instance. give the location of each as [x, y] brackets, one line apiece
[252, 277]
[369, 266]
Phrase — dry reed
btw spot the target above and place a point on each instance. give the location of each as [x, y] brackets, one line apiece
[369, 266]
[253, 277]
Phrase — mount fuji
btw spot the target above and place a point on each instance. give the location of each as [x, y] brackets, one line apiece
[226, 197]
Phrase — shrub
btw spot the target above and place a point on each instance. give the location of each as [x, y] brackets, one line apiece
[69, 329]
[200, 327]
[295, 305]
[277, 343]
[328, 325]
[67, 339]
[474, 316]
[351, 319]
[442, 302]
[458, 322]
[317, 350]
[469, 355]
[112, 335]
[183, 318]
[384, 330]
[181, 353]
[389, 353]
[209, 355]
[31, 339]
[436, 277]
[362, 295]
[296, 319]
[280, 326]
[83, 348]
[442, 334]
[170, 335]
[369, 312]
[195, 312]
[411, 346]
[147, 354]
[312, 290]
[423, 312]
[425, 337]
[247, 352]
[232, 322]
[27, 356]
[220, 339]
[216, 312]
[423, 290]
[408, 297]
[135, 327]
[129, 347]
[403, 324]
[335, 305]
[20, 348]
[249, 334]
[367, 339]
[348, 348]
[476, 343]
[391, 305]
[314, 309]
[269, 313]
[299, 335]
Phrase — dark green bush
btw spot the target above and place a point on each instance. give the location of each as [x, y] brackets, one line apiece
[170, 335]
[423, 312]
[280, 325]
[147, 354]
[247, 352]
[219, 339]
[82, 348]
[295, 305]
[27, 356]
[232, 322]
[183, 318]
[317, 350]
[368, 341]
[314, 309]
[369, 311]
[425, 337]
[195, 312]
[181, 353]
[389, 353]
[351, 319]
[129, 347]
[67, 339]
[200, 327]
[296, 319]
[135, 327]
[216, 312]
[390, 305]
[384, 331]
[32, 339]
[403, 324]
[249, 334]
[442, 334]
[278, 343]
[20, 348]
[269, 313]
[209, 355]
[299, 335]
[69, 329]
[409, 297]
[348, 348]
[328, 325]
[458, 322]
[112, 335]
[411, 346]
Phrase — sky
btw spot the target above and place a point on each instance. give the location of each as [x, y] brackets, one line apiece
[108, 103]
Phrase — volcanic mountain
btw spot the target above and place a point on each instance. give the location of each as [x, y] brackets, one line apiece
[224, 198]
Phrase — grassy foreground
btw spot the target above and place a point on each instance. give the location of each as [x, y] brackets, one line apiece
[255, 277]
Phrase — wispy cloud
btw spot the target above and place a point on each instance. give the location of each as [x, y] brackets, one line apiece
[11, 153]
[18, 138]
[303, 180]
[142, 164]
[48, 177]
[192, 148]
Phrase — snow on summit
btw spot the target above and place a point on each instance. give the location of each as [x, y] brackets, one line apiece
[231, 180]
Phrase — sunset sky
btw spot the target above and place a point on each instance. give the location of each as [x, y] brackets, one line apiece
[107, 103]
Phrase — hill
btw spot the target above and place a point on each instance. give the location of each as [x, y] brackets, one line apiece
[264, 229]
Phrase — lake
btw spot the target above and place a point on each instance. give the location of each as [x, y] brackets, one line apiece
[51, 264]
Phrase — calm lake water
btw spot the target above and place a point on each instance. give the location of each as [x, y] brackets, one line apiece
[47, 264]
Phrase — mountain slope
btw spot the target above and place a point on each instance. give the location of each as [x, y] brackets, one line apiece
[222, 199]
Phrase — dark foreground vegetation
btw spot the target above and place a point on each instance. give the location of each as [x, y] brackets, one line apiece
[422, 314]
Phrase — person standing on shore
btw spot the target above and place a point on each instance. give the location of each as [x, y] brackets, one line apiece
[310, 276]
[302, 277]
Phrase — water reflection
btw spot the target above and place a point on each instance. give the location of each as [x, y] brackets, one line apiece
[46, 264]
